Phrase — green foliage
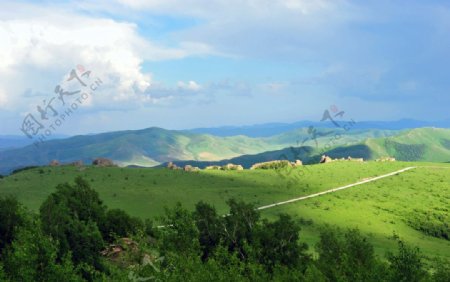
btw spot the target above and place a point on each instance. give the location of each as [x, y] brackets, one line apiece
[239, 226]
[278, 243]
[407, 265]
[119, 224]
[209, 226]
[23, 169]
[33, 257]
[274, 165]
[71, 216]
[347, 257]
[431, 223]
[180, 233]
[406, 152]
[10, 219]
[441, 271]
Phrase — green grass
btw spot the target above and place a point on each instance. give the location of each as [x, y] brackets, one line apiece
[378, 208]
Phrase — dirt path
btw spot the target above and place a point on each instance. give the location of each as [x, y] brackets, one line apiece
[336, 189]
[328, 191]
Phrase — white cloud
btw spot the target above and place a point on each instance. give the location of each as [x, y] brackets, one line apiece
[191, 85]
[40, 46]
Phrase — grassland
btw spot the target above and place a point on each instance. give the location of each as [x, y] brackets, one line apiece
[380, 209]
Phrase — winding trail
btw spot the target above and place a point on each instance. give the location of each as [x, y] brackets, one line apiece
[335, 189]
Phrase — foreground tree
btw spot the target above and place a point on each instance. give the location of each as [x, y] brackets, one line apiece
[33, 257]
[279, 244]
[407, 264]
[348, 257]
[11, 219]
[72, 216]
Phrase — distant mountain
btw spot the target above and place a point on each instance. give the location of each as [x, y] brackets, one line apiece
[421, 144]
[270, 129]
[153, 146]
[8, 142]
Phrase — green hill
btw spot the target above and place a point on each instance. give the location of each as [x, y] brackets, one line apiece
[422, 144]
[153, 146]
[413, 205]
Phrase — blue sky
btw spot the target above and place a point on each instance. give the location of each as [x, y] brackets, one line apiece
[191, 63]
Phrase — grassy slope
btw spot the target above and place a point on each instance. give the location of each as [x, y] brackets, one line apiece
[378, 208]
[424, 144]
[152, 146]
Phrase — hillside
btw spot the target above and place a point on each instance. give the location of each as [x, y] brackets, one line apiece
[153, 146]
[400, 203]
[421, 144]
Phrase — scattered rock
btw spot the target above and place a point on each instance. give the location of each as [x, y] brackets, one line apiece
[213, 167]
[273, 164]
[325, 159]
[191, 168]
[232, 167]
[103, 162]
[386, 159]
[171, 165]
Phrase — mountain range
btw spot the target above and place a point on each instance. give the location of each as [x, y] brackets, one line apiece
[156, 146]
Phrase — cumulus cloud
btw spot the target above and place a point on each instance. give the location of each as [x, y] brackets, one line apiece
[40, 46]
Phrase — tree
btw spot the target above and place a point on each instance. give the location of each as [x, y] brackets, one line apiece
[348, 257]
[119, 223]
[238, 227]
[33, 257]
[180, 234]
[71, 216]
[407, 264]
[10, 219]
[278, 243]
[208, 224]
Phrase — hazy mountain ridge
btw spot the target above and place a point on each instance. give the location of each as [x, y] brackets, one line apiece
[155, 146]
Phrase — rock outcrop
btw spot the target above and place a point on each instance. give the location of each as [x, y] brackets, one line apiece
[103, 162]
[232, 167]
[190, 168]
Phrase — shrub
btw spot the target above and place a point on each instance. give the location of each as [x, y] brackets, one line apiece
[272, 165]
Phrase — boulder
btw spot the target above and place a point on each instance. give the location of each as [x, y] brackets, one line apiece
[54, 163]
[386, 159]
[213, 167]
[171, 165]
[103, 162]
[272, 164]
[232, 167]
[191, 168]
[325, 159]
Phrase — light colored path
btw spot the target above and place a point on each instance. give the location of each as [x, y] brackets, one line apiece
[335, 189]
[327, 191]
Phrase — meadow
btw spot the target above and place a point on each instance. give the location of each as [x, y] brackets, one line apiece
[401, 204]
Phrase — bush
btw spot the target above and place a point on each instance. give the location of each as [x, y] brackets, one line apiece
[272, 165]
[23, 169]
[119, 223]
[407, 264]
